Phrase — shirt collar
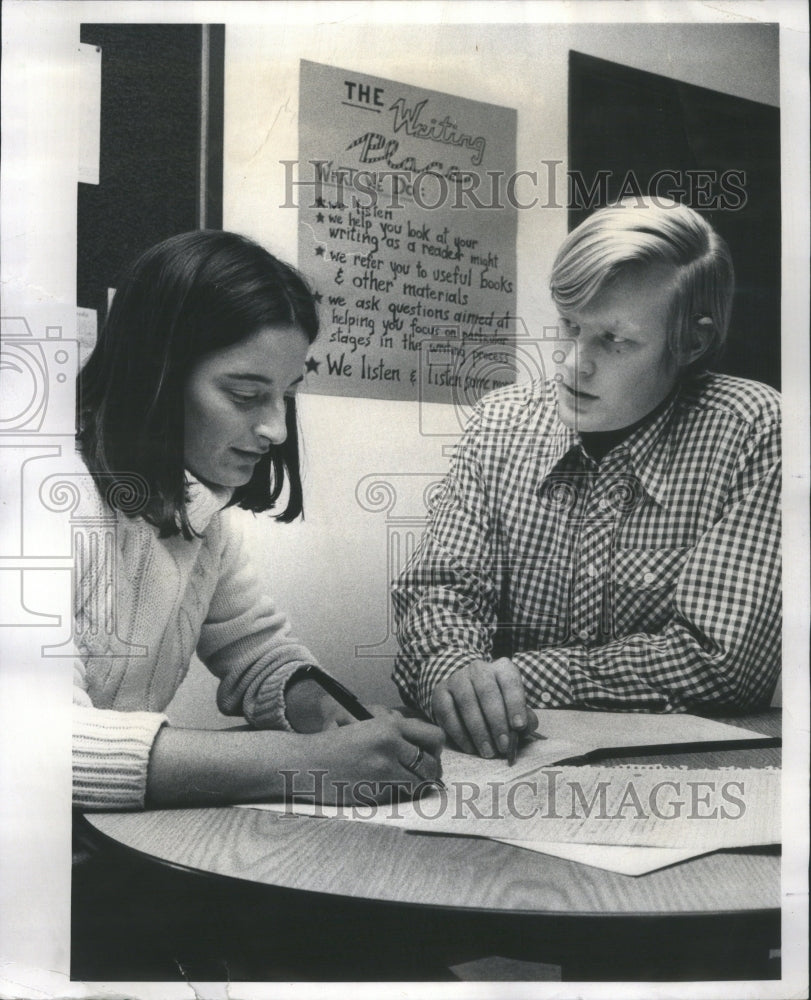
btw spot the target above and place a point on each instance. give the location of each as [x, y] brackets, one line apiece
[647, 450]
[204, 501]
[556, 440]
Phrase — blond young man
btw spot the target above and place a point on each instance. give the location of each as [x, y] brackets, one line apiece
[609, 538]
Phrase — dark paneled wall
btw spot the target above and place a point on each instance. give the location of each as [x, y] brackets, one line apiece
[156, 80]
[623, 119]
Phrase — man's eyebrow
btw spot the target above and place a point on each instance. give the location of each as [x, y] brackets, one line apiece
[612, 322]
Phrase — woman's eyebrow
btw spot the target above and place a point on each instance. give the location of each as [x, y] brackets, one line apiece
[248, 377]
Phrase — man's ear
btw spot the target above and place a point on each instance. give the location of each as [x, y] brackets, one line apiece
[702, 333]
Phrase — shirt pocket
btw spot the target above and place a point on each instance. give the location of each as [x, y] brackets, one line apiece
[643, 585]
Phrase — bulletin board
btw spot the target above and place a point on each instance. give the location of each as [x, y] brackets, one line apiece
[407, 233]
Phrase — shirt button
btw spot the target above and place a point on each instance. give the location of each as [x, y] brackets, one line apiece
[584, 634]
[546, 697]
[648, 577]
[603, 504]
[591, 571]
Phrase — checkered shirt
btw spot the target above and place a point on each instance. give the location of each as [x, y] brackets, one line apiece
[649, 582]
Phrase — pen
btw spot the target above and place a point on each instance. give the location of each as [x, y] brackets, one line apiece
[351, 703]
[336, 690]
[512, 748]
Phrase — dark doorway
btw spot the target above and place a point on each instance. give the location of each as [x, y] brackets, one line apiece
[160, 169]
[721, 155]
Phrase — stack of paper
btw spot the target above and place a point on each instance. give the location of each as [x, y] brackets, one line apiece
[630, 819]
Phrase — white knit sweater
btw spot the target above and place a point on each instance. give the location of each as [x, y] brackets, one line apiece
[166, 598]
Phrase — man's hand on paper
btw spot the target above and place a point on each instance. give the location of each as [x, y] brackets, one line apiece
[480, 704]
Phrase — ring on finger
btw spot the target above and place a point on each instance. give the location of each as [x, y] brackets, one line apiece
[415, 763]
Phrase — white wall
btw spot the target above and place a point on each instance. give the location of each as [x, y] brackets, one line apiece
[38, 216]
[330, 572]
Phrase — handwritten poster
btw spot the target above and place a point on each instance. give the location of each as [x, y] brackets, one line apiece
[406, 232]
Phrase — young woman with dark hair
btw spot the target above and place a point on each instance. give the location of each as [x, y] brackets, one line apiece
[186, 411]
[191, 295]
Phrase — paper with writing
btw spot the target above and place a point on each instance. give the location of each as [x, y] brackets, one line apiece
[646, 806]
[533, 754]
[538, 803]
[418, 297]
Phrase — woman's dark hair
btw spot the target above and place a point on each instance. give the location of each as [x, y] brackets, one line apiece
[184, 298]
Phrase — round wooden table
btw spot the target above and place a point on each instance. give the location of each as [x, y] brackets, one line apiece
[357, 861]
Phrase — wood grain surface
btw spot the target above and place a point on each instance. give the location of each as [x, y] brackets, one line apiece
[367, 861]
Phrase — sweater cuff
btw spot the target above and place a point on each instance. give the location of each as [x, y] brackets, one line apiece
[111, 757]
[268, 711]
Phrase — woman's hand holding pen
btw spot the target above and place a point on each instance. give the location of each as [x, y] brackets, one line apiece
[380, 758]
[368, 753]
[481, 705]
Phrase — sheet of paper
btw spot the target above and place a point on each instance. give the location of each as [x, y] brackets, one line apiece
[347, 121]
[623, 860]
[87, 328]
[648, 806]
[532, 754]
[89, 103]
[603, 730]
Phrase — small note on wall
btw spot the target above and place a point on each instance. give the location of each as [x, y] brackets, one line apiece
[89, 104]
[407, 233]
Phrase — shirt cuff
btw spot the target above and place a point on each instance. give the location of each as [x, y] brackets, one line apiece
[111, 757]
[548, 675]
[437, 669]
